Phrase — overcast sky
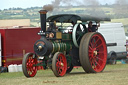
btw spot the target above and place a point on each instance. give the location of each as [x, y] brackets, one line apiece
[5, 4]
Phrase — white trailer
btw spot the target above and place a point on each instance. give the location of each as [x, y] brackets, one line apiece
[114, 35]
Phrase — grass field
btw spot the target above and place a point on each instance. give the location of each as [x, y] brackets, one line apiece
[112, 75]
[123, 20]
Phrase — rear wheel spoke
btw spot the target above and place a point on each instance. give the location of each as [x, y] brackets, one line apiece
[97, 41]
[99, 45]
[91, 44]
[100, 52]
[94, 64]
[90, 48]
[100, 59]
[97, 63]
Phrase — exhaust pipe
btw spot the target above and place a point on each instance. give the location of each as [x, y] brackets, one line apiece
[43, 47]
[43, 21]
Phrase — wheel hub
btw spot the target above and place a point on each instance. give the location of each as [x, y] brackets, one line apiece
[95, 52]
[61, 64]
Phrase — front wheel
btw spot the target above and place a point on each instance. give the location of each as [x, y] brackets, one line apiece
[28, 63]
[93, 52]
[59, 64]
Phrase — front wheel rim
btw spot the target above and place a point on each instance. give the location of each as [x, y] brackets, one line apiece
[31, 69]
[97, 52]
[61, 64]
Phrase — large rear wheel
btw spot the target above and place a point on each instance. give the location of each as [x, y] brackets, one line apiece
[28, 63]
[93, 52]
[59, 64]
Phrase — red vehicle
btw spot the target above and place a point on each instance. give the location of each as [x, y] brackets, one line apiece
[15, 43]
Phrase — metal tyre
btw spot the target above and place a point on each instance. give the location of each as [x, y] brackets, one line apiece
[28, 63]
[59, 64]
[93, 52]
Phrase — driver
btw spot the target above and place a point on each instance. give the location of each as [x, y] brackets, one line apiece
[93, 28]
[52, 29]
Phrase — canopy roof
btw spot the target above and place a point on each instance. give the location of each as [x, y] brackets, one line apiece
[68, 18]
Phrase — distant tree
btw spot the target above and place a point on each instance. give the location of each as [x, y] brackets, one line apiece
[5, 9]
[106, 4]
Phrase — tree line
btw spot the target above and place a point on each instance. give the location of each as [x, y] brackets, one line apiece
[112, 11]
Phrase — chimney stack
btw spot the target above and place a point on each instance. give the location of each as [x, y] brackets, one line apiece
[43, 19]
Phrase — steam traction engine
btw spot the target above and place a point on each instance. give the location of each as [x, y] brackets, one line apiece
[64, 47]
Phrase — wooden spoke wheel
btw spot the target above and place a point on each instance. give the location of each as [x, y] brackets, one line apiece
[59, 64]
[93, 52]
[28, 63]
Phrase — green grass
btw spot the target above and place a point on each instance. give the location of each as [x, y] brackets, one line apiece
[112, 75]
[17, 16]
[123, 20]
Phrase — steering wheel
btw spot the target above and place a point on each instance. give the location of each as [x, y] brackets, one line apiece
[78, 32]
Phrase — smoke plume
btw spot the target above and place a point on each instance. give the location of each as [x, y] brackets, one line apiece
[121, 8]
[57, 3]
[121, 2]
[91, 2]
[48, 7]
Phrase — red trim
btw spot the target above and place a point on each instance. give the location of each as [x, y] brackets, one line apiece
[31, 70]
[97, 52]
[61, 65]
